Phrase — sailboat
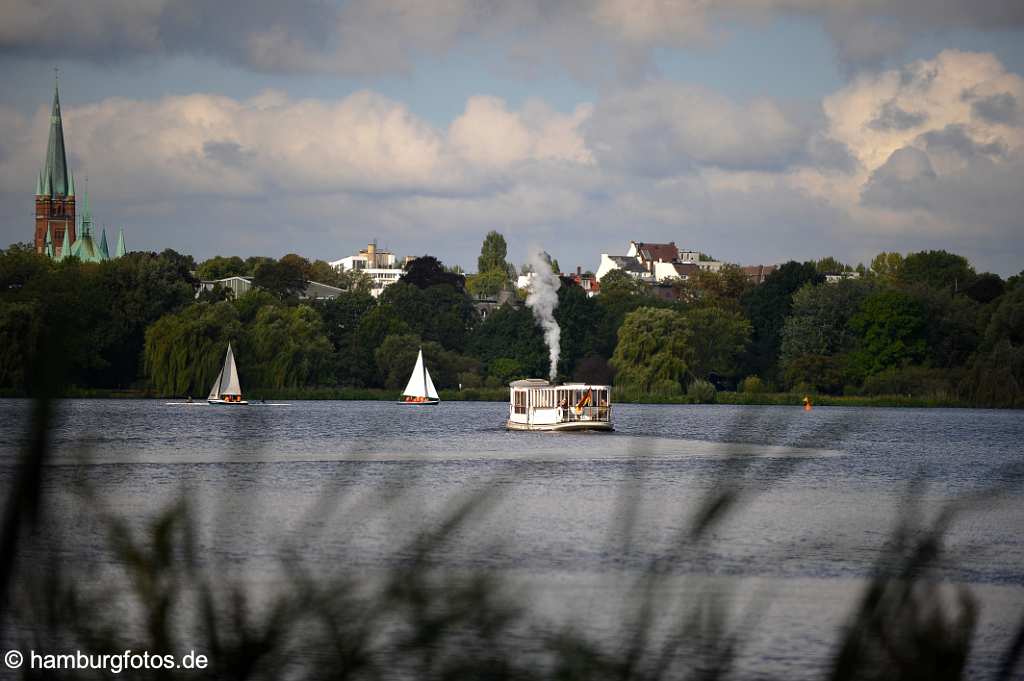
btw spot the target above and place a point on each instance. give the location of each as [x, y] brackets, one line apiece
[226, 389]
[420, 389]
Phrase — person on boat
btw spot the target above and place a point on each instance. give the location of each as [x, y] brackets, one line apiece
[188, 400]
[563, 410]
[807, 403]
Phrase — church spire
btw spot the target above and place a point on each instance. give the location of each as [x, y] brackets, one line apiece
[55, 173]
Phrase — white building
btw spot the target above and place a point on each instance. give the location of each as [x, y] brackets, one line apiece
[382, 267]
[655, 263]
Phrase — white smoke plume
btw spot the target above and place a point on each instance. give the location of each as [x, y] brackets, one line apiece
[543, 299]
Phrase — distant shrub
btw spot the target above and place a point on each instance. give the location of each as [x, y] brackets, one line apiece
[701, 391]
[911, 380]
[665, 387]
[823, 373]
[803, 388]
[753, 385]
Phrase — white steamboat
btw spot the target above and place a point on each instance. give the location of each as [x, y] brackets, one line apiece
[535, 404]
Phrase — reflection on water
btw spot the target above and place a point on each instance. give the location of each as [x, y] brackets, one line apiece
[825, 490]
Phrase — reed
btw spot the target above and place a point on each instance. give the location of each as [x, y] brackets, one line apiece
[423, 620]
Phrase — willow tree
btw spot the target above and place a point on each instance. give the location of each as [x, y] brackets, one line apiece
[184, 351]
[287, 347]
[654, 353]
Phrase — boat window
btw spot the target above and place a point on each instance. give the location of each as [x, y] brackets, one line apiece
[519, 401]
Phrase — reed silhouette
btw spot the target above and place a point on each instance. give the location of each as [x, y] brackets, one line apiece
[423, 619]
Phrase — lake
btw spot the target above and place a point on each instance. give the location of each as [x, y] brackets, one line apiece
[351, 482]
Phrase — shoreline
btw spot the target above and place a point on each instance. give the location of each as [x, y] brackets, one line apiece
[501, 395]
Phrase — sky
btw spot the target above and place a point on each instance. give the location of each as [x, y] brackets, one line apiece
[757, 131]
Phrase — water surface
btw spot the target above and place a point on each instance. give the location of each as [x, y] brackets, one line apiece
[352, 482]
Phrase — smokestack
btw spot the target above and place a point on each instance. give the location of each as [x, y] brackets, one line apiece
[371, 255]
[543, 299]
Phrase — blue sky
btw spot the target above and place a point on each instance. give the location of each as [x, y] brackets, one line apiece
[762, 131]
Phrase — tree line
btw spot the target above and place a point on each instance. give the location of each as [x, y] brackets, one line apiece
[925, 324]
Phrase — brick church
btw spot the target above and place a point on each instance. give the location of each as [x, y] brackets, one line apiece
[61, 229]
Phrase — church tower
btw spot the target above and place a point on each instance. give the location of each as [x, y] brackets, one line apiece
[55, 192]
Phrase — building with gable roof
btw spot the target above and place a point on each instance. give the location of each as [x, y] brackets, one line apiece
[61, 231]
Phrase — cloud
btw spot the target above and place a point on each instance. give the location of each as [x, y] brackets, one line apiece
[364, 143]
[892, 117]
[998, 108]
[662, 129]
[760, 180]
[372, 37]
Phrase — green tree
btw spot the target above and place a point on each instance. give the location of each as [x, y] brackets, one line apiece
[504, 370]
[620, 284]
[322, 272]
[341, 317]
[830, 265]
[654, 353]
[937, 269]
[185, 350]
[396, 358]
[767, 306]
[722, 288]
[221, 267]
[250, 303]
[820, 373]
[986, 287]
[581, 320]
[426, 271]
[20, 328]
[252, 263]
[285, 278]
[492, 254]
[287, 347]
[718, 337]
[374, 326]
[487, 284]
[354, 280]
[137, 289]
[439, 313]
[819, 321]
[887, 266]
[19, 264]
[891, 332]
[510, 332]
[996, 374]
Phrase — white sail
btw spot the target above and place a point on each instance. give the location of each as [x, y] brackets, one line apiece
[229, 376]
[431, 391]
[417, 385]
[215, 389]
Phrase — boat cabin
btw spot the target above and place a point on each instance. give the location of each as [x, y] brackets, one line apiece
[535, 404]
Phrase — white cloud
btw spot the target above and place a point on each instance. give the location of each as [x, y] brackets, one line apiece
[662, 129]
[387, 36]
[930, 155]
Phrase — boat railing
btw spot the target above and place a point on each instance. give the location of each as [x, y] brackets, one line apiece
[596, 412]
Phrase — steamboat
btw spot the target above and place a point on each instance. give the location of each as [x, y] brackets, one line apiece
[535, 404]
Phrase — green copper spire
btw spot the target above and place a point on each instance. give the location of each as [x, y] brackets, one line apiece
[65, 249]
[120, 244]
[47, 187]
[85, 217]
[39, 184]
[104, 252]
[71, 184]
[55, 172]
